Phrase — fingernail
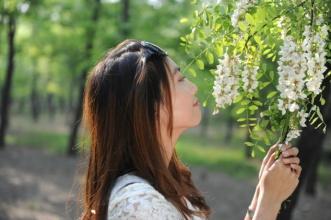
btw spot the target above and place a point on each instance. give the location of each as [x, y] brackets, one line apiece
[285, 153]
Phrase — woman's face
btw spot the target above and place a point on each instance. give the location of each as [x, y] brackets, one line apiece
[186, 107]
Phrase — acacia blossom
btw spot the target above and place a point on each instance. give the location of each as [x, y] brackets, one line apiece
[241, 7]
[291, 70]
[302, 116]
[249, 78]
[313, 46]
[292, 134]
[226, 84]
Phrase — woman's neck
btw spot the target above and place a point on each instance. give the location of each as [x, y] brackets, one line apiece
[169, 143]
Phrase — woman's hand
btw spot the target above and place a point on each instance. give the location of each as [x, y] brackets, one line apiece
[277, 183]
[289, 157]
[279, 180]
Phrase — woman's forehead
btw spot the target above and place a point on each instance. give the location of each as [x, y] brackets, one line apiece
[172, 66]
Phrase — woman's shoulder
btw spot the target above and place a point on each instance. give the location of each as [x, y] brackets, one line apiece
[133, 197]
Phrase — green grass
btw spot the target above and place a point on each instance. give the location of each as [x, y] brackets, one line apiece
[52, 142]
[195, 151]
[209, 152]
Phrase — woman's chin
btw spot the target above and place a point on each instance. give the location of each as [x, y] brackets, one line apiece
[196, 121]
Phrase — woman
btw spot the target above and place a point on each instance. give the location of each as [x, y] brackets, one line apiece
[136, 106]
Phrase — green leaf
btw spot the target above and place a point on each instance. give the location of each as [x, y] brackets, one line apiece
[274, 58]
[253, 107]
[271, 94]
[245, 102]
[210, 57]
[249, 144]
[200, 64]
[315, 119]
[257, 128]
[249, 18]
[319, 125]
[219, 50]
[183, 20]
[264, 123]
[242, 26]
[260, 148]
[322, 100]
[238, 99]
[264, 84]
[266, 51]
[266, 140]
[192, 72]
[258, 103]
[204, 104]
[272, 75]
[318, 111]
[257, 39]
[241, 119]
[241, 110]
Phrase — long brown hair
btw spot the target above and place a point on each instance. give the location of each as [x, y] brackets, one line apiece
[122, 100]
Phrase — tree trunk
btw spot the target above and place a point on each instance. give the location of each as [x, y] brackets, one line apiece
[51, 107]
[34, 99]
[21, 106]
[229, 129]
[125, 18]
[70, 109]
[62, 104]
[90, 33]
[310, 144]
[5, 101]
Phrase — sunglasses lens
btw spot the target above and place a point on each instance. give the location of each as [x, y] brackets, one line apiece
[152, 49]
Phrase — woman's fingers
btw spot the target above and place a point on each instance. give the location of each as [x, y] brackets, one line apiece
[291, 160]
[290, 152]
[271, 150]
[296, 169]
[289, 155]
[271, 160]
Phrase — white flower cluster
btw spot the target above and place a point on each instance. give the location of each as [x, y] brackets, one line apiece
[291, 70]
[241, 8]
[249, 78]
[314, 52]
[301, 67]
[303, 118]
[226, 83]
[292, 134]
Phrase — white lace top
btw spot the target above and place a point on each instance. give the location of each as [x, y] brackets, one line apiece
[134, 198]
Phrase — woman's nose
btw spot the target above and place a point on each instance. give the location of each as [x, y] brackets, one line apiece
[194, 88]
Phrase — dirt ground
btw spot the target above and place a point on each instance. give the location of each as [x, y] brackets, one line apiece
[35, 185]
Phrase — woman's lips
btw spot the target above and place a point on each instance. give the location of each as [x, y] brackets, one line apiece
[196, 103]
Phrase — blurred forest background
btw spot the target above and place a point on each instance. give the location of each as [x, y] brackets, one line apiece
[46, 51]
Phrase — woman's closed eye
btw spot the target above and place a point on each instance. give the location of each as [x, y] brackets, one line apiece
[182, 78]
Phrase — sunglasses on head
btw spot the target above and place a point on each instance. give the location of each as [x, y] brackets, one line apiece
[152, 50]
